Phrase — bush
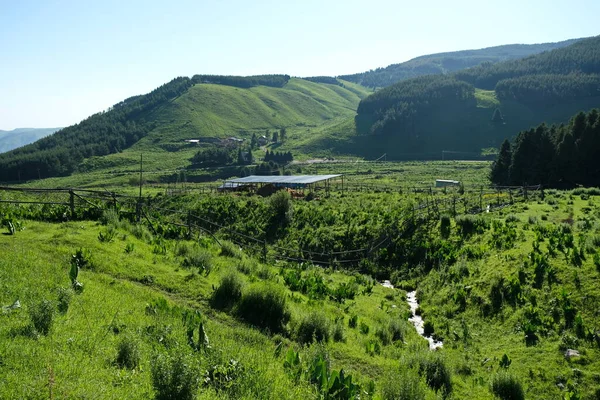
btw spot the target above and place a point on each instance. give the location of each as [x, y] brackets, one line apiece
[506, 387]
[64, 299]
[468, 225]
[404, 385]
[384, 335]
[200, 259]
[445, 226]
[264, 306]
[128, 354]
[174, 377]
[437, 374]
[364, 328]
[428, 328]
[229, 249]
[315, 327]
[228, 293]
[338, 333]
[353, 321]
[42, 315]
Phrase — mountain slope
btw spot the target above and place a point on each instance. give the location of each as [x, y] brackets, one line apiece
[424, 115]
[159, 123]
[10, 140]
[442, 63]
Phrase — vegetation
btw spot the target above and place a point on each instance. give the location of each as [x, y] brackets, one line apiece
[556, 156]
[443, 63]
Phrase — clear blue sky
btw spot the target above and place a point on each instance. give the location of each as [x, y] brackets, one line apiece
[61, 61]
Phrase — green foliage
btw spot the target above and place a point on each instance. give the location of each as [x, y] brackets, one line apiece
[42, 316]
[174, 376]
[107, 235]
[345, 291]
[311, 283]
[469, 225]
[264, 306]
[437, 374]
[224, 377]
[314, 327]
[332, 385]
[229, 249]
[214, 156]
[243, 81]
[505, 361]
[228, 293]
[353, 321]
[506, 386]
[364, 328]
[445, 226]
[402, 385]
[199, 259]
[64, 299]
[128, 353]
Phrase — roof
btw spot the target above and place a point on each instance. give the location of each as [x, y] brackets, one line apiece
[285, 179]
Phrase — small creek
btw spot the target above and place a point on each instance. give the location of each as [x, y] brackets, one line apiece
[416, 320]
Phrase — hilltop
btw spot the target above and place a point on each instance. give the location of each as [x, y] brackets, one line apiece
[444, 63]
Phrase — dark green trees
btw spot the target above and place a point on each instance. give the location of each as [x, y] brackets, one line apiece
[556, 156]
[499, 172]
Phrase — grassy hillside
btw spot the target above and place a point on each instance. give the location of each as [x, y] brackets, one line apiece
[199, 111]
[508, 292]
[444, 63]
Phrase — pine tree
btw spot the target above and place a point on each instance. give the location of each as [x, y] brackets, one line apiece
[499, 173]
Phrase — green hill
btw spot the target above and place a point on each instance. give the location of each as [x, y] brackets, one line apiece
[424, 116]
[158, 123]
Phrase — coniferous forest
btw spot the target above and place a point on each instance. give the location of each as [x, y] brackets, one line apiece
[556, 156]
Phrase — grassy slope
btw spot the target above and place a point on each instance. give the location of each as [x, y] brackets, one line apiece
[78, 354]
[220, 111]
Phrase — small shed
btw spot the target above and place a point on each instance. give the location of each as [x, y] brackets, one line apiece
[440, 183]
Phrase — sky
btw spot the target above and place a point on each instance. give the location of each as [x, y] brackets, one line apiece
[62, 61]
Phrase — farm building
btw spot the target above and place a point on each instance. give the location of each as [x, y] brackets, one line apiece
[295, 182]
[440, 183]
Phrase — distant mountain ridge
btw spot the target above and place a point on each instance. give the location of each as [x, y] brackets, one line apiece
[478, 107]
[443, 63]
[18, 137]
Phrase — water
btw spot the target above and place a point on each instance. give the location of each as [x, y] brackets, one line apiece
[416, 320]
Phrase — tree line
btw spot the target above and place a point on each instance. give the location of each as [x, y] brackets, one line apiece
[323, 79]
[558, 156]
[243, 81]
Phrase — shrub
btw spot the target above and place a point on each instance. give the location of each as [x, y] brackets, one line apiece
[264, 306]
[228, 293]
[512, 218]
[174, 377]
[281, 208]
[110, 216]
[468, 225]
[229, 249]
[128, 353]
[353, 321]
[506, 387]
[436, 373]
[383, 334]
[364, 328]
[200, 259]
[445, 226]
[396, 330]
[42, 315]
[402, 385]
[246, 267]
[314, 327]
[338, 333]
[64, 299]
[428, 328]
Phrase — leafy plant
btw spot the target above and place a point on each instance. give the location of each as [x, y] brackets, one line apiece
[200, 259]
[64, 299]
[107, 235]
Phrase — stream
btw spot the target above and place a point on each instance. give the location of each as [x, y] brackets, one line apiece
[416, 320]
